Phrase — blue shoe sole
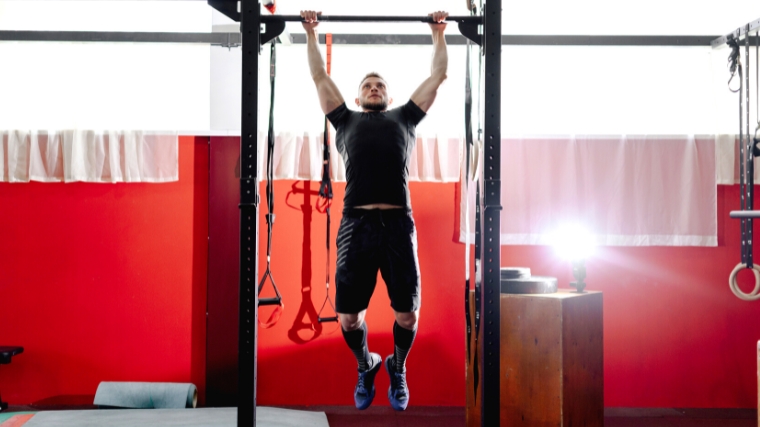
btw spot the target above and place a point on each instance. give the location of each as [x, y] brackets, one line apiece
[364, 405]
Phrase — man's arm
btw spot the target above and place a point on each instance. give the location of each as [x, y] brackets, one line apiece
[425, 94]
[329, 95]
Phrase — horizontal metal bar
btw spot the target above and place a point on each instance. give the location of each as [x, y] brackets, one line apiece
[399, 39]
[752, 41]
[744, 214]
[564, 40]
[738, 33]
[516, 40]
[222, 39]
[233, 39]
[359, 18]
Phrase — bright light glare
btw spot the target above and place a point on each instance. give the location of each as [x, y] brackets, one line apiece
[573, 243]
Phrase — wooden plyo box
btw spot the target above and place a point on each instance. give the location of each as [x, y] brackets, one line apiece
[551, 361]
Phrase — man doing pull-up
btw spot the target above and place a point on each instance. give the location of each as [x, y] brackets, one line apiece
[377, 230]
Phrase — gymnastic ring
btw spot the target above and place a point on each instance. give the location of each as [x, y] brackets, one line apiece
[752, 296]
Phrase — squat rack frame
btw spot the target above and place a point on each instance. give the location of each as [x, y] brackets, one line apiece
[252, 38]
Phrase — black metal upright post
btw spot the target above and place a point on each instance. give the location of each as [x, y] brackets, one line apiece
[249, 212]
[491, 209]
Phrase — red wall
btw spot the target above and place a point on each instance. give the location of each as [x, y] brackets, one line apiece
[104, 282]
[107, 282]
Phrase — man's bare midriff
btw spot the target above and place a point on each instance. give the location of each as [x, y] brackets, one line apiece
[379, 206]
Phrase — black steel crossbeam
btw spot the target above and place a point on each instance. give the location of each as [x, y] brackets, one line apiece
[249, 213]
[491, 209]
[737, 34]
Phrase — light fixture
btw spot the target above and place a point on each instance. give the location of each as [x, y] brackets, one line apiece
[575, 244]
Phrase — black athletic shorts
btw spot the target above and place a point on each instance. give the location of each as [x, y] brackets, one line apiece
[377, 239]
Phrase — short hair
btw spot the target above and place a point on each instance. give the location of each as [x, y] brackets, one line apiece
[371, 74]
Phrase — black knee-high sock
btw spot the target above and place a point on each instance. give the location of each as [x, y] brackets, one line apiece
[402, 340]
[357, 342]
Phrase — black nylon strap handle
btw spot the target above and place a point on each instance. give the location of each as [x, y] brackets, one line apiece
[325, 186]
[270, 216]
[325, 191]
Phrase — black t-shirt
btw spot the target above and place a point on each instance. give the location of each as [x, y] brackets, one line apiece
[376, 147]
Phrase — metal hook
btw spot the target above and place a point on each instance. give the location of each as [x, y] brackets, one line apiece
[734, 62]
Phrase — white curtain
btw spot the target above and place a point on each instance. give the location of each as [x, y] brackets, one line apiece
[625, 190]
[299, 156]
[88, 156]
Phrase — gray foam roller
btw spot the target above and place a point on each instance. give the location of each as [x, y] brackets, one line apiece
[146, 395]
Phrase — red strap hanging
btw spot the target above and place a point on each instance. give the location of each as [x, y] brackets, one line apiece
[328, 43]
[271, 6]
[325, 193]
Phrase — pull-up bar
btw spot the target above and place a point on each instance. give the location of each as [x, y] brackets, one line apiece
[359, 18]
[468, 25]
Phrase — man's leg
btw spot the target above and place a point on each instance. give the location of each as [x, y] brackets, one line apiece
[401, 273]
[355, 278]
[404, 331]
[355, 333]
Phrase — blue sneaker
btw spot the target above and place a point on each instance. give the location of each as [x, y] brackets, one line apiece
[365, 386]
[398, 392]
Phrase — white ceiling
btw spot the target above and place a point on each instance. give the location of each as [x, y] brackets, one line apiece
[563, 17]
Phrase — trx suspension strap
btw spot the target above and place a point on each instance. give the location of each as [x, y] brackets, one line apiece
[746, 157]
[277, 300]
[325, 192]
[735, 66]
[747, 153]
[472, 351]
